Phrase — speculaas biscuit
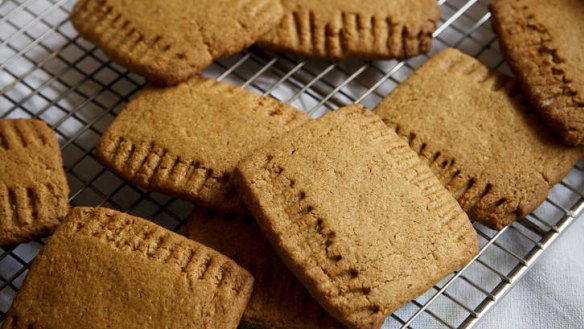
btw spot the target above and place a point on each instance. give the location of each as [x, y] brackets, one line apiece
[542, 42]
[355, 214]
[279, 300]
[474, 128]
[167, 41]
[185, 140]
[106, 269]
[341, 29]
[34, 193]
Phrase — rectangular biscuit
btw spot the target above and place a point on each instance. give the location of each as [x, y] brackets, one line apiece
[279, 300]
[186, 140]
[355, 215]
[106, 269]
[473, 127]
[34, 193]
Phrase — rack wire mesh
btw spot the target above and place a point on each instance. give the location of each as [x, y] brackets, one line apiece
[47, 71]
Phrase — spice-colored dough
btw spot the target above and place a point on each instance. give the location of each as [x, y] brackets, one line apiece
[186, 140]
[34, 193]
[106, 269]
[168, 41]
[355, 215]
[543, 43]
[474, 128]
[341, 29]
[279, 300]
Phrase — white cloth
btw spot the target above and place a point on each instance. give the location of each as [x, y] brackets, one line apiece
[551, 294]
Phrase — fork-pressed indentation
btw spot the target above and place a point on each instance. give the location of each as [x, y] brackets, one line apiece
[13, 203]
[156, 167]
[301, 30]
[292, 198]
[123, 233]
[4, 141]
[138, 157]
[551, 88]
[20, 134]
[453, 175]
[449, 174]
[103, 22]
[476, 199]
[301, 213]
[423, 178]
[404, 38]
[353, 33]
[204, 266]
[33, 202]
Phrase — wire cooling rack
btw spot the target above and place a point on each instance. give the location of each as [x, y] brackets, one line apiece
[47, 71]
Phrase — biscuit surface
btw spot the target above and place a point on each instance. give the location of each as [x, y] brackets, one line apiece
[364, 29]
[34, 193]
[355, 215]
[168, 41]
[542, 42]
[104, 269]
[473, 127]
[185, 140]
[279, 300]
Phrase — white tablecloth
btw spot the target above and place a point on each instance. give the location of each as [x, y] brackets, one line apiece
[551, 294]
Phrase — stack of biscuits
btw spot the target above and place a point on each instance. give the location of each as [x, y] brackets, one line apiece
[334, 222]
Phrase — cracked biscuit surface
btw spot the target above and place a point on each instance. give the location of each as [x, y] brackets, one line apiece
[106, 269]
[340, 29]
[355, 215]
[34, 193]
[168, 41]
[475, 129]
[542, 42]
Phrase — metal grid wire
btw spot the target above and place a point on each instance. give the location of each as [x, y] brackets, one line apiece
[47, 71]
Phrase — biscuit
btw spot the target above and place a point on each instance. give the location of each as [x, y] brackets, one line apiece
[542, 42]
[473, 127]
[106, 269]
[279, 300]
[169, 41]
[355, 215]
[340, 29]
[187, 139]
[34, 193]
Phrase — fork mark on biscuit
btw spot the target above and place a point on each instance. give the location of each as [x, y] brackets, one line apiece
[551, 88]
[33, 202]
[350, 34]
[203, 266]
[4, 141]
[138, 158]
[12, 202]
[448, 174]
[22, 139]
[153, 243]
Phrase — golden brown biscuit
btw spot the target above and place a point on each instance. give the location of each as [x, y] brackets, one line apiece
[168, 41]
[106, 269]
[475, 130]
[279, 300]
[341, 29]
[185, 140]
[355, 215]
[542, 42]
[34, 193]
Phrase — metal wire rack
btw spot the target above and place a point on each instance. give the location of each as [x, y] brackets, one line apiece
[47, 71]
